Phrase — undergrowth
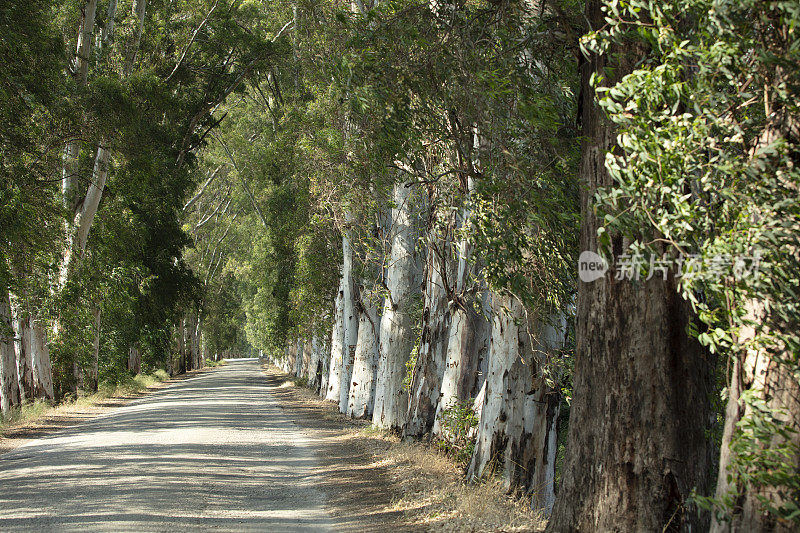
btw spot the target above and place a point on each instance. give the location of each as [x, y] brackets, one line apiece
[30, 412]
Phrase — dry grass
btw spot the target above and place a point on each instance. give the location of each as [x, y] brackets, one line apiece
[426, 486]
[431, 492]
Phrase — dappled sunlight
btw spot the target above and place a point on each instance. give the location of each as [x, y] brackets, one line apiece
[231, 460]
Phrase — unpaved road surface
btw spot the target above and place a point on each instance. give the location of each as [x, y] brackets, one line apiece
[212, 453]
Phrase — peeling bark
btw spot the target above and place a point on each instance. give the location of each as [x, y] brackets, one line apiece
[134, 360]
[350, 318]
[365, 364]
[22, 336]
[396, 338]
[9, 381]
[431, 359]
[516, 432]
[40, 354]
[468, 336]
[337, 347]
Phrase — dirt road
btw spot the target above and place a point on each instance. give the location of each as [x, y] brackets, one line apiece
[212, 453]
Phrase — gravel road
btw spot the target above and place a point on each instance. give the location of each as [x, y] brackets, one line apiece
[210, 453]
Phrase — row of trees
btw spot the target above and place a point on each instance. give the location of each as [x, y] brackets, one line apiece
[394, 213]
[104, 106]
[390, 200]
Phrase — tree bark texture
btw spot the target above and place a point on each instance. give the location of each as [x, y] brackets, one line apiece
[640, 414]
[432, 357]
[365, 363]
[337, 346]
[396, 337]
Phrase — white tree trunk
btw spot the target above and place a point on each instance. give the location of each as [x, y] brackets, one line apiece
[396, 337]
[196, 341]
[9, 381]
[314, 362]
[138, 11]
[337, 347]
[432, 357]
[40, 354]
[518, 420]
[325, 365]
[107, 34]
[469, 335]
[80, 69]
[350, 316]
[22, 339]
[365, 364]
[299, 354]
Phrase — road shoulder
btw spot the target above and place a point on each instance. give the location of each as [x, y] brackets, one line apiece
[375, 482]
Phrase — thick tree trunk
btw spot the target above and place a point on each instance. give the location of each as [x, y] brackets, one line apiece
[517, 428]
[640, 418]
[432, 357]
[350, 316]
[9, 381]
[313, 372]
[22, 335]
[469, 335]
[40, 354]
[337, 347]
[365, 364]
[396, 337]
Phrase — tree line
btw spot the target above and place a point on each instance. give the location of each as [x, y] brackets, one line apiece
[394, 201]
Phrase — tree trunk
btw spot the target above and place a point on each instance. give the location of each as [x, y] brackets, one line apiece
[764, 373]
[365, 364]
[134, 360]
[325, 365]
[350, 316]
[469, 335]
[396, 337]
[93, 380]
[181, 346]
[337, 346]
[196, 341]
[313, 373]
[133, 48]
[42, 367]
[299, 358]
[432, 357]
[640, 414]
[22, 335]
[9, 381]
[517, 428]
[80, 70]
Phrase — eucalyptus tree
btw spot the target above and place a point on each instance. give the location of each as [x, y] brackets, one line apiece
[707, 145]
[641, 416]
